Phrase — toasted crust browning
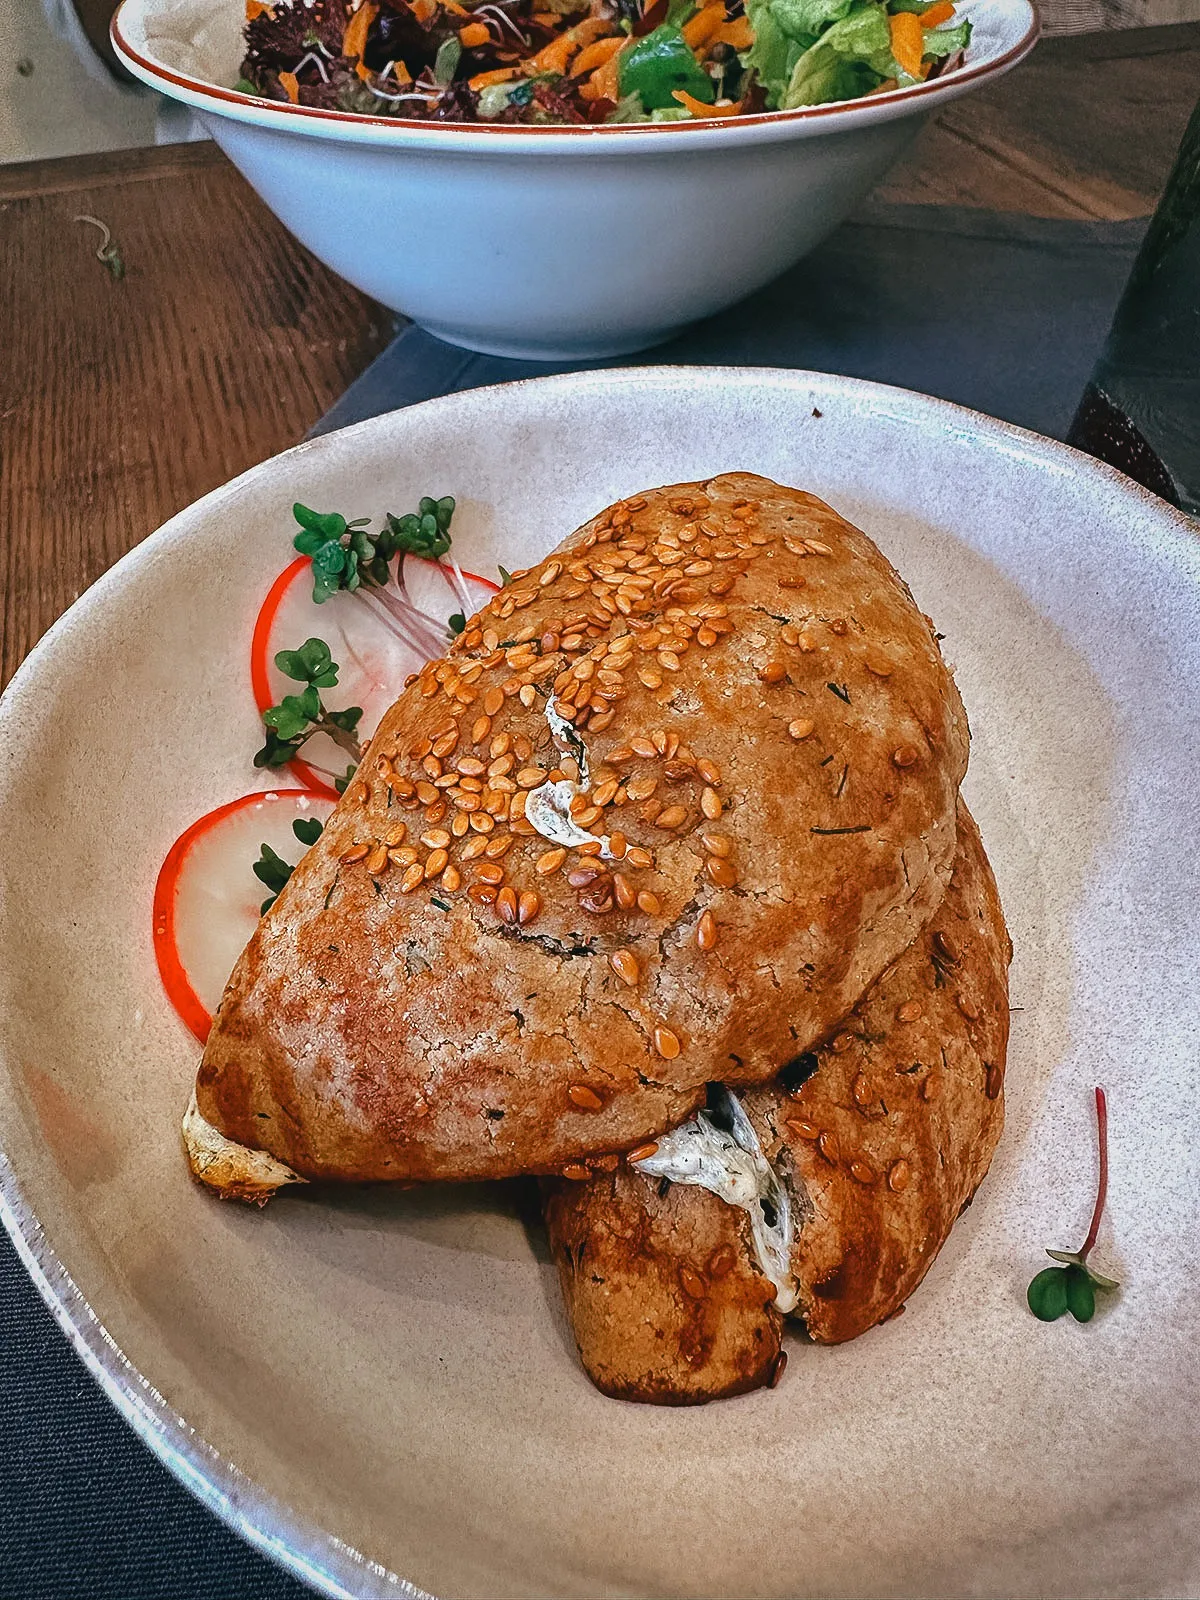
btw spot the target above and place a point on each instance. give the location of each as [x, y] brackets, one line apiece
[886, 1133]
[666, 1300]
[773, 749]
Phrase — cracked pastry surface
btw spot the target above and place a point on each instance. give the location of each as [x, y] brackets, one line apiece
[882, 1136]
[763, 755]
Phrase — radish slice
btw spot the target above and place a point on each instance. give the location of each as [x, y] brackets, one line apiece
[374, 661]
[207, 899]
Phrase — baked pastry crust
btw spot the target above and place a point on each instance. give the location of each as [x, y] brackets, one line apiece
[764, 713]
[887, 1132]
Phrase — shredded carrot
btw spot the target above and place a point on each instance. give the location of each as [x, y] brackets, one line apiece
[703, 26]
[401, 73]
[255, 8]
[591, 29]
[885, 87]
[699, 109]
[595, 55]
[455, 9]
[738, 33]
[475, 33]
[481, 80]
[937, 14]
[423, 10]
[907, 45]
[291, 86]
[552, 57]
[926, 67]
[363, 71]
[605, 82]
[546, 19]
[354, 39]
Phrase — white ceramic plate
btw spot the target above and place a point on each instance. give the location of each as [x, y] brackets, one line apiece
[390, 1373]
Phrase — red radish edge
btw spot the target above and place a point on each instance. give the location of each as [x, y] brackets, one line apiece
[260, 682]
[166, 951]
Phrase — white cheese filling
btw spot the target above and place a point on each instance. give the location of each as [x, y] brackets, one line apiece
[548, 808]
[732, 1166]
[225, 1164]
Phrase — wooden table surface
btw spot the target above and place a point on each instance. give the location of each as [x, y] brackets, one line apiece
[124, 400]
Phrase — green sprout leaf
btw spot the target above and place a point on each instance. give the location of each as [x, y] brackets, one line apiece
[1047, 1294]
[308, 829]
[506, 576]
[1072, 1285]
[456, 623]
[424, 532]
[312, 664]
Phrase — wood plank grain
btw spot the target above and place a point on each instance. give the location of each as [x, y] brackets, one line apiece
[123, 401]
[1087, 127]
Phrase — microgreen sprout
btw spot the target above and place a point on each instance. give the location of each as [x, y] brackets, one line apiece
[346, 556]
[1072, 1286]
[298, 717]
[272, 870]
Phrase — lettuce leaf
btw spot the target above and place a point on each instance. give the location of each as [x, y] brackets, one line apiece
[774, 53]
[850, 57]
[946, 41]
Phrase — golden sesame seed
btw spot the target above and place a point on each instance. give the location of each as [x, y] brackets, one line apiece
[673, 817]
[879, 665]
[641, 788]
[721, 871]
[377, 861]
[641, 746]
[709, 771]
[636, 856]
[402, 855]
[773, 672]
[706, 931]
[355, 853]
[803, 1130]
[483, 894]
[481, 822]
[994, 1081]
[842, 1043]
[622, 753]
[550, 861]
[584, 1098]
[827, 1145]
[945, 948]
[862, 1171]
[436, 812]
[413, 876]
[435, 839]
[710, 804]
[432, 767]
[801, 727]
[436, 864]
[489, 872]
[898, 1176]
[666, 1043]
[549, 573]
[527, 695]
[459, 824]
[909, 1011]
[817, 548]
[576, 1171]
[506, 904]
[906, 756]
[451, 878]
[625, 964]
[717, 844]
[426, 794]
[605, 792]
[529, 903]
[693, 1284]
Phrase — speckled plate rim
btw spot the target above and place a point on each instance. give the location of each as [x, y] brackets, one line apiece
[362, 128]
[327, 1563]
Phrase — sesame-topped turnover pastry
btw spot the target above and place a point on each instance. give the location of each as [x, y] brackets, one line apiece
[675, 798]
[825, 1195]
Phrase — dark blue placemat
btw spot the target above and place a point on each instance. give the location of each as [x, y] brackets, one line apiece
[1003, 313]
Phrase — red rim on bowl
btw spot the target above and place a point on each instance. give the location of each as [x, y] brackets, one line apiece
[316, 117]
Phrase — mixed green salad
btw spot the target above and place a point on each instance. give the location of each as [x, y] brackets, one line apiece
[592, 61]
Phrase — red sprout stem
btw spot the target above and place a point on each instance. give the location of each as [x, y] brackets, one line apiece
[1102, 1186]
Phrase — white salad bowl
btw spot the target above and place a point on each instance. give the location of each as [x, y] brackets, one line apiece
[549, 242]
